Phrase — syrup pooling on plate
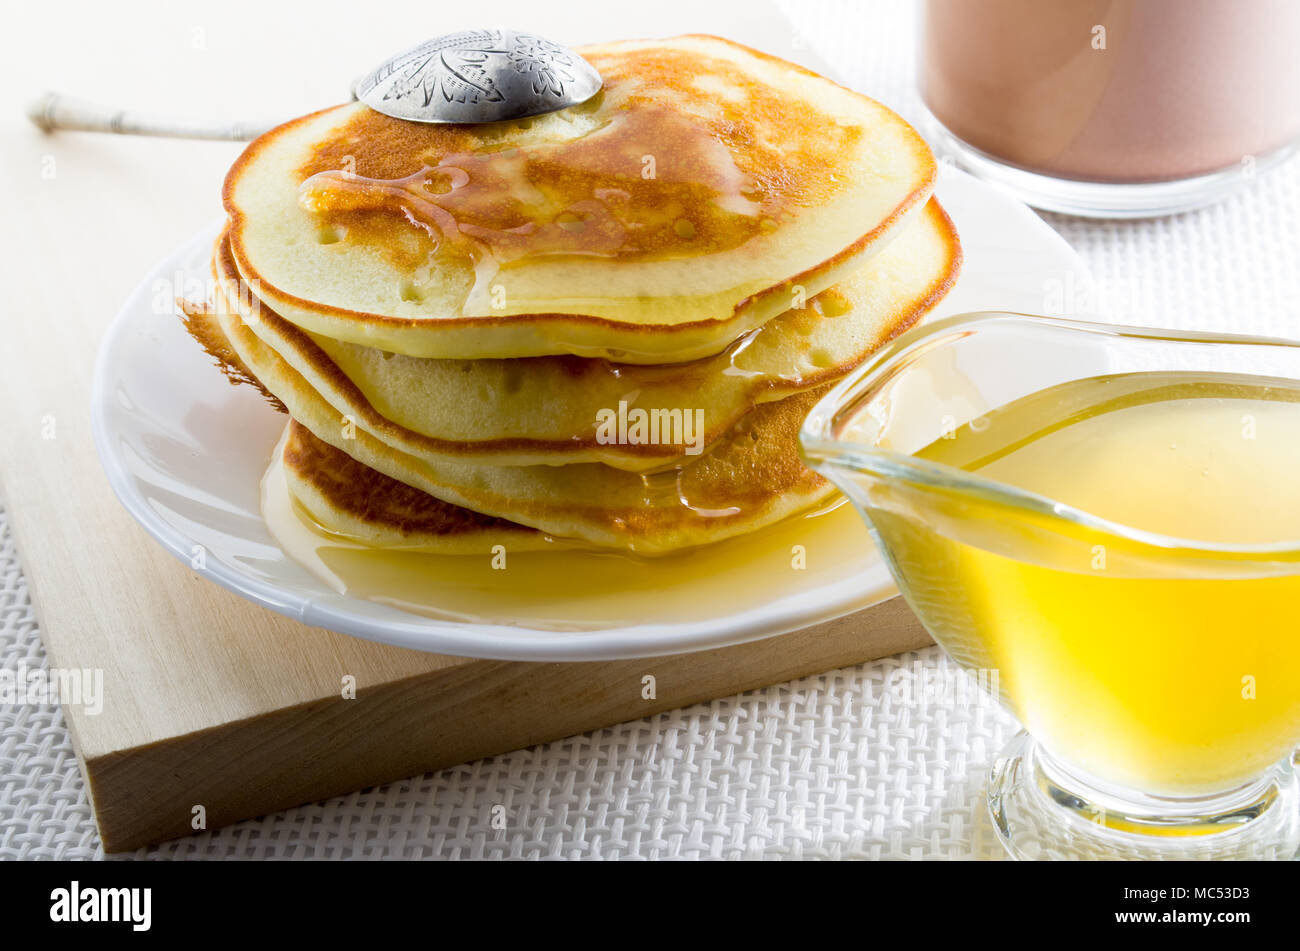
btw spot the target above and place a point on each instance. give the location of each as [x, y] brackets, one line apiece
[632, 177]
[576, 589]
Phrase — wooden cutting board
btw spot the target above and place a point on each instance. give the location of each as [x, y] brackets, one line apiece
[228, 707]
[210, 701]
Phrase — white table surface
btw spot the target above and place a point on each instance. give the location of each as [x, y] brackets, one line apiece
[835, 766]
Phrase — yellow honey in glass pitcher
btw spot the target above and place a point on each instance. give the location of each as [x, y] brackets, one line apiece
[1174, 678]
[1109, 519]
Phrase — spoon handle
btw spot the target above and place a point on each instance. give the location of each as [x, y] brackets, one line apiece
[52, 111]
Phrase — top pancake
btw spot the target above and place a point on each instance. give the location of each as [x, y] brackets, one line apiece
[655, 223]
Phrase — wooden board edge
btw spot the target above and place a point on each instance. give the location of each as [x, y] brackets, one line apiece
[309, 752]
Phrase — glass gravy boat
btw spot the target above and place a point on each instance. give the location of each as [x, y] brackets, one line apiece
[1157, 676]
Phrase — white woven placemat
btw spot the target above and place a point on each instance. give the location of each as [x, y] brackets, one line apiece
[838, 766]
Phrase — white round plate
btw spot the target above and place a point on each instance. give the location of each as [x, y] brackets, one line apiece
[185, 452]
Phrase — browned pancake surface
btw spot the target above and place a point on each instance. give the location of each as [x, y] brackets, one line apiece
[374, 498]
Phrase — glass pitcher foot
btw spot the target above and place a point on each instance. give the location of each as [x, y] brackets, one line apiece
[1043, 811]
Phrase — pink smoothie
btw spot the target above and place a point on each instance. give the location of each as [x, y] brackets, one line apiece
[1181, 87]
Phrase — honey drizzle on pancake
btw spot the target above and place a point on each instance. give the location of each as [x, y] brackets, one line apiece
[581, 197]
[670, 168]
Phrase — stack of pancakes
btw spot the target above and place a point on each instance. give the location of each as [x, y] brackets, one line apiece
[600, 327]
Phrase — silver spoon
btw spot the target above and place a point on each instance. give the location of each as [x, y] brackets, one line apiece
[471, 77]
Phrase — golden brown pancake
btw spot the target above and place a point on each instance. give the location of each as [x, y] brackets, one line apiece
[201, 322]
[675, 211]
[752, 478]
[546, 410]
[346, 499]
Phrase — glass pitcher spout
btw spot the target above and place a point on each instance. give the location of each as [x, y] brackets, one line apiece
[913, 430]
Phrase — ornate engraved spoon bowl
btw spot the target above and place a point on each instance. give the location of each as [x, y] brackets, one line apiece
[479, 76]
[470, 77]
